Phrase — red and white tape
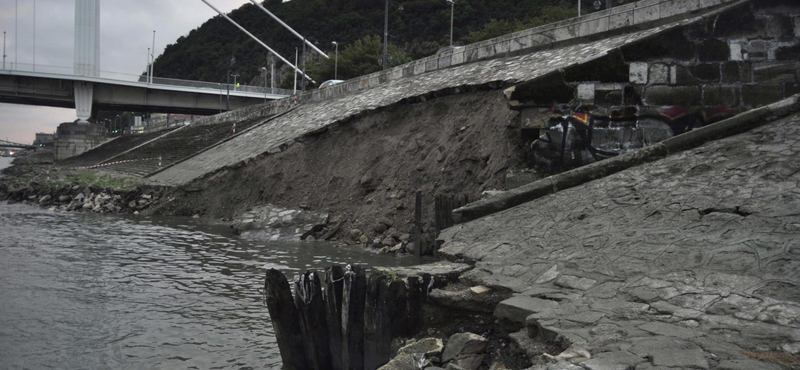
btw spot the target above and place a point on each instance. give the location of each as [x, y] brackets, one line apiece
[116, 162]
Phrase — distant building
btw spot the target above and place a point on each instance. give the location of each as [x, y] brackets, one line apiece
[44, 139]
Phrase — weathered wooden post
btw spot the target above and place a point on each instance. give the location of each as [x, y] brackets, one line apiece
[353, 297]
[334, 284]
[313, 326]
[414, 304]
[418, 223]
[285, 321]
[377, 325]
[397, 310]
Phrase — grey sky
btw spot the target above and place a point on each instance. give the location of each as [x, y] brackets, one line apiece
[126, 28]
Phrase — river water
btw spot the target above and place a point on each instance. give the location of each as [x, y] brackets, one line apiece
[86, 291]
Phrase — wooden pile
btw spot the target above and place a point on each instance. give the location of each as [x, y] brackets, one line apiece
[348, 325]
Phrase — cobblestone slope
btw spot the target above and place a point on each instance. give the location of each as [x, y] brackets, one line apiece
[176, 146]
[681, 263]
[281, 132]
[110, 149]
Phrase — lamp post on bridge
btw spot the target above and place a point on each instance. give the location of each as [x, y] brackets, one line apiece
[4, 49]
[452, 11]
[336, 62]
[153, 58]
[385, 58]
[265, 83]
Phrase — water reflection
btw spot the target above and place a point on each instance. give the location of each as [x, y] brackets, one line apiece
[83, 291]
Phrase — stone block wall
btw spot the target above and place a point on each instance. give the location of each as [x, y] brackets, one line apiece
[743, 58]
[73, 139]
[729, 61]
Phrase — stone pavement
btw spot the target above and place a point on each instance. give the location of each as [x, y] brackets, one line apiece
[313, 117]
[681, 263]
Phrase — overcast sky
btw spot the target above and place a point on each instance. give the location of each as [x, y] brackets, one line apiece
[126, 31]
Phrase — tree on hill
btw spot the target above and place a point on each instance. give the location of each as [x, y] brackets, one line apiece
[358, 59]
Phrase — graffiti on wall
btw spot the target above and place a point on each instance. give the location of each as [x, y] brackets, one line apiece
[577, 137]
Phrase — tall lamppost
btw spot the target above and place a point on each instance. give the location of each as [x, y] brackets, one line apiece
[4, 49]
[265, 83]
[147, 73]
[385, 57]
[34, 35]
[153, 58]
[452, 11]
[336, 62]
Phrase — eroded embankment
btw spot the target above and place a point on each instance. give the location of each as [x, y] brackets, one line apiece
[365, 172]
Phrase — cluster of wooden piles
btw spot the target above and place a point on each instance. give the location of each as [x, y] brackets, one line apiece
[349, 323]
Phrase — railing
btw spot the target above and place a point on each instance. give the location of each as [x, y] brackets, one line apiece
[127, 77]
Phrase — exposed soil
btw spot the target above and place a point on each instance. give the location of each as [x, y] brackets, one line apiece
[365, 172]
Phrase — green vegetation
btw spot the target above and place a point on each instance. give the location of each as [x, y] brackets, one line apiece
[357, 25]
[84, 178]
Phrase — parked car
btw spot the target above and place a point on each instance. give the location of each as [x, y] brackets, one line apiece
[330, 83]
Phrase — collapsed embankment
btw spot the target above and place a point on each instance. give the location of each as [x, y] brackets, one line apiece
[364, 172]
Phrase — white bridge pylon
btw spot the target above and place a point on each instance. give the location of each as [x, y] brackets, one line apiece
[87, 54]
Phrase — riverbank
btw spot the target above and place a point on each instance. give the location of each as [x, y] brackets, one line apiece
[35, 180]
[88, 291]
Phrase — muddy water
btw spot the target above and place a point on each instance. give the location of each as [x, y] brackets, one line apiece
[84, 291]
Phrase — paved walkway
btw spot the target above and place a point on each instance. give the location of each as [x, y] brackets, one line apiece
[684, 262]
[312, 117]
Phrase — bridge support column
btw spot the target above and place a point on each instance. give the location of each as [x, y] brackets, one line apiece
[87, 54]
[84, 96]
[74, 138]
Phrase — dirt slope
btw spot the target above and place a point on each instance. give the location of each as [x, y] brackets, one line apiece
[367, 170]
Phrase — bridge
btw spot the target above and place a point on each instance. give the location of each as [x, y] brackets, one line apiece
[88, 89]
[9, 145]
[56, 87]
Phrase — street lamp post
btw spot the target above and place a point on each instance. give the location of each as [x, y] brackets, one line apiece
[452, 11]
[265, 83]
[272, 74]
[147, 73]
[153, 58]
[34, 35]
[386, 36]
[336, 62]
[4, 49]
[385, 57]
[295, 70]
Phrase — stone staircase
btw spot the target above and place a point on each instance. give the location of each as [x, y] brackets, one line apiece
[175, 147]
[110, 149]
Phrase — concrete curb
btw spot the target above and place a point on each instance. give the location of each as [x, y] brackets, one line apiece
[692, 139]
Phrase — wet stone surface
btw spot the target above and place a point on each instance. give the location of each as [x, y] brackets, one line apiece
[680, 263]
